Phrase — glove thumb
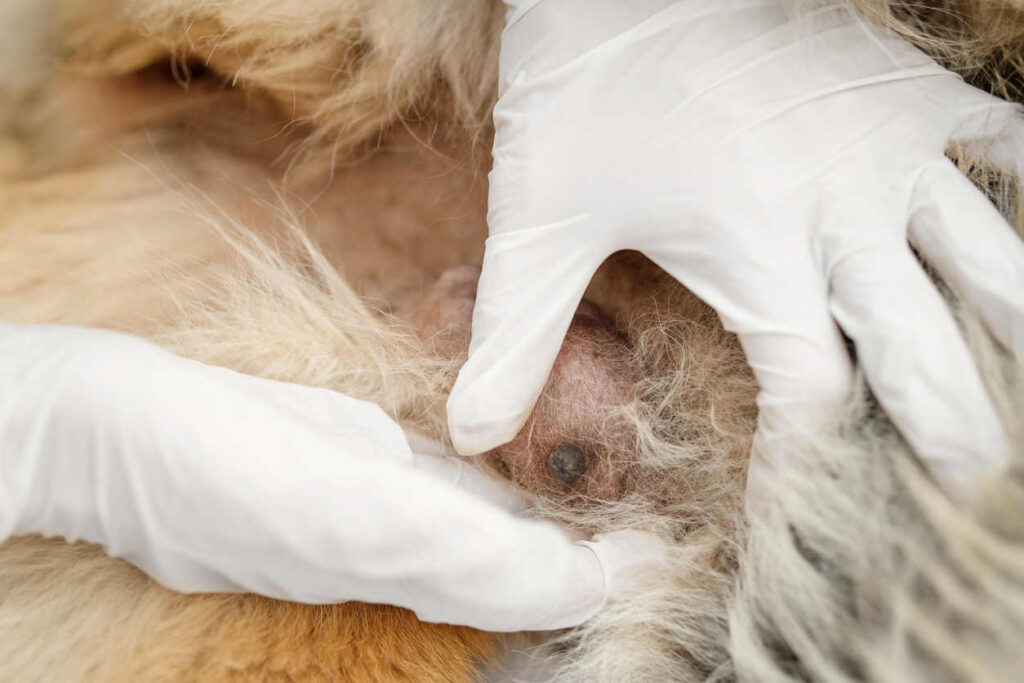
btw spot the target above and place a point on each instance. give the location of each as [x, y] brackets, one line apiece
[530, 285]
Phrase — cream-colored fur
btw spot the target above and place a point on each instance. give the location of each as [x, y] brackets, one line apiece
[348, 70]
[133, 203]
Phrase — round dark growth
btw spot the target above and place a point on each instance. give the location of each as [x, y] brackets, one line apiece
[568, 462]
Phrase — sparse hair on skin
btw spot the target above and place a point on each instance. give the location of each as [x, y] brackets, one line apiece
[160, 223]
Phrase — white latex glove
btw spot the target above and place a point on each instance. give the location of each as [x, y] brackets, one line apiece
[210, 480]
[775, 163]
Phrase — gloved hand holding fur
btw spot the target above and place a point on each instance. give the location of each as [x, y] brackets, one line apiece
[775, 161]
[211, 480]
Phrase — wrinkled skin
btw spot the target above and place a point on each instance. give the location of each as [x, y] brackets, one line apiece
[572, 446]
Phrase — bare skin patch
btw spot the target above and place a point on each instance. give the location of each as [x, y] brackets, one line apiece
[572, 447]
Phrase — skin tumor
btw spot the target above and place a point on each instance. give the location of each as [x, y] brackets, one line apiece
[572, 446]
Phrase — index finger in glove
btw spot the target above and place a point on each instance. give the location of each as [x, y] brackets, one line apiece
[531, 283]
[357, 428]
[363, 430]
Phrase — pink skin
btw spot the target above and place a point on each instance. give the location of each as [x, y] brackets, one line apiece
[571, 446]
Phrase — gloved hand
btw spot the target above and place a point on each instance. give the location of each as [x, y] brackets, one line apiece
[774, 163]
[210, 480]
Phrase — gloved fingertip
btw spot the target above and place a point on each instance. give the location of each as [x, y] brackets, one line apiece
[628, 559]
[476, 423]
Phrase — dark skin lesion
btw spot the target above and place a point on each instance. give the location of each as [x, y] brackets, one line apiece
[574, 446]
[568, 463]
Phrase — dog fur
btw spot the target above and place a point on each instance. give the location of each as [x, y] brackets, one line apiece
[244, 218]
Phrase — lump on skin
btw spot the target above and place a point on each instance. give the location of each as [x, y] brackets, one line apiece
[574, 446]
[568, 462]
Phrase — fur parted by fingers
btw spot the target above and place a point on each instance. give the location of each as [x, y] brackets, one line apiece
[867, 571]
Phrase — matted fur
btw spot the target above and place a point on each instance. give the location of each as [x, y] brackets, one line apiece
[865, 571]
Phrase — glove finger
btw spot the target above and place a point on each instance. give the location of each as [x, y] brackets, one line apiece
[806, 378]
[975, 250]
[986, 127]
[434, 458]
[357, 428]
[916, 362]
[363, 429]
[794, 348]
[1001, 146]
[530, 285]
[629, 558]
[1006, 150]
